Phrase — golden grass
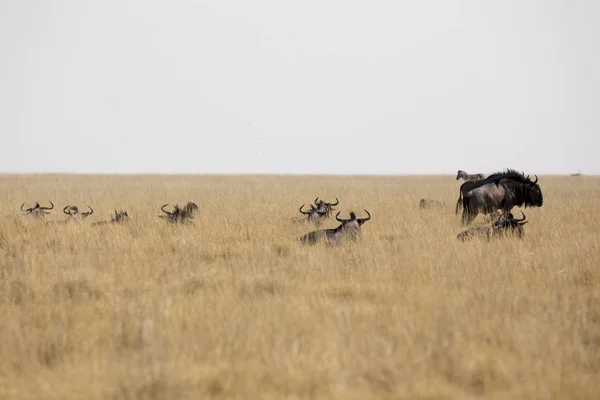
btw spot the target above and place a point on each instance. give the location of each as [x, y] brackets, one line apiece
[234, 307]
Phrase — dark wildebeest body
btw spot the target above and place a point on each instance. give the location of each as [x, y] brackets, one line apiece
[36, 211]
[119, 218]
[348, 230]
[75, 215]
[430, 203]
[468, 177]
[470, 185]
[185, 215]
[501, 228]
[512, 189]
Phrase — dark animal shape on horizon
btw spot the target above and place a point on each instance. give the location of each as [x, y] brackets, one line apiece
[503, 227]
[75, 215]
[185, 215]
[36, 211]
[468, 177]
[509, 189]
[350, 229]
[431, 203]
[119, 218]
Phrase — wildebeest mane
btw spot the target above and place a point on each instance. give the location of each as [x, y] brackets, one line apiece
[509, 174]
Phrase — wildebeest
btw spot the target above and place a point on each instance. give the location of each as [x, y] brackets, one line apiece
[468, 177]
[349, 229]
[323, 206]
[36, 211]
[502, 227]
[314, 216]
[470, 185]
[185, 215]
[429, 203]
[75, 215]
[119, 218]
[509, 189]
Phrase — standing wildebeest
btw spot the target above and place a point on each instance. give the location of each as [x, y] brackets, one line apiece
[75, 215]
[118, 218]
[314, 216]
[183, 215]
[502, 227]
[466, 177]
[323, 206]
[349, 229]
[470, 185]
[429, 203]
[36, 211]
[510, 189]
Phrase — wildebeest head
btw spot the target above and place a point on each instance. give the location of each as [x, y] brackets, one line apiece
[181, 215]
[324, 206]
[349, 229]
[37, 211]
[352, 225]
[510, 224]
[314, 215]
[534, 195]
[74, 214]
[120, 216]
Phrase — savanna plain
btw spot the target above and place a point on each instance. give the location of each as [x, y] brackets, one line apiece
[235, 307]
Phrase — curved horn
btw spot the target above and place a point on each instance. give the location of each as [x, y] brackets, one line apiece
[24, 210]
[304, 212]
[337, 201]
[65, 210]
[522, 219]
[363, 220]
[316, 200]
[536, 179]
[48, 208]
[91, 210]
[337, 217]
[163, 209]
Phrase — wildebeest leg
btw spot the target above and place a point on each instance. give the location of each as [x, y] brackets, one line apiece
[458, 203]
[467, 216]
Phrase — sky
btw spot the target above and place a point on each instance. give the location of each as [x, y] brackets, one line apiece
[310, 87]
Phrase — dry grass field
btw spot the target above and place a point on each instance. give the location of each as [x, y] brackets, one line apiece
[234, 307]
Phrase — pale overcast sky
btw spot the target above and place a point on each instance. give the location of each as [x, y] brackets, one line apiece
[271, 86]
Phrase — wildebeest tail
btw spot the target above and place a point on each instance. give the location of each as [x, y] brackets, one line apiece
[458, 202]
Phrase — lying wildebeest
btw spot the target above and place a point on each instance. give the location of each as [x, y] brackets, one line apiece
[349, 229]
[502, 227]
[314, 216]
[36, 211]
[180, 215]
[429, 203]
[468, 177]
[323, 206]
[119, 218]
[75, 215]
[511, 189]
